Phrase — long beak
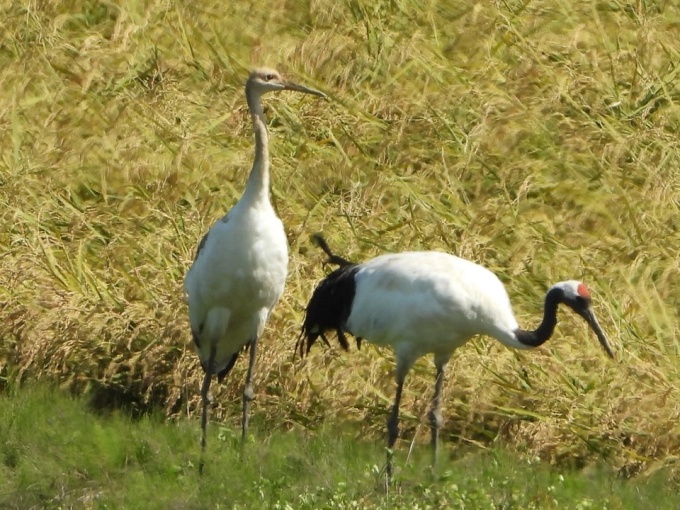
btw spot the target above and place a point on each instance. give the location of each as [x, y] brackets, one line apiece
[589, 316]
[289, 85]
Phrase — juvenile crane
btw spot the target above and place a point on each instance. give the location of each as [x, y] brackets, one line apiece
[427, 302]
[240, 267]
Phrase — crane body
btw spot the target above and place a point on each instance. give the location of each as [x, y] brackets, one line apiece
[246, 279]
[421, 303]
[240, 267]
[469, 296]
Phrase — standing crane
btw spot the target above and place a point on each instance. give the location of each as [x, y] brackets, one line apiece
[240, 267]
[427, 302]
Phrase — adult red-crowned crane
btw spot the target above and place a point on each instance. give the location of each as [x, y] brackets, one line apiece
[427, 302]
[241, 264]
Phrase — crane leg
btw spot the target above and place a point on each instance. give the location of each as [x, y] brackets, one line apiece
[393, 421]
[248, 393]
[435, 414]
[205, 395]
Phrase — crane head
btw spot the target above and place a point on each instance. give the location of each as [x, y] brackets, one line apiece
[265, 80]
[577, 297]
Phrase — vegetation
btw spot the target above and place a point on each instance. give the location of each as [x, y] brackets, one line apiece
[57, 454]
[537, 138]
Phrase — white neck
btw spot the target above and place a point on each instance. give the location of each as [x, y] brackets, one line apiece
[258, 180]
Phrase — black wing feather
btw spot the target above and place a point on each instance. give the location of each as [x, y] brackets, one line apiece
[329, 308]
[201, 244]
[331, 303]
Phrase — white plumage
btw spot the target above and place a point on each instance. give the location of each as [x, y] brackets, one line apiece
[241, 264]
[427, 302]
[437, 290]
[233, 285]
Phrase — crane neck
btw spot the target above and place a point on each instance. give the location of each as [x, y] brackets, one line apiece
[258, 180]
[547, 326]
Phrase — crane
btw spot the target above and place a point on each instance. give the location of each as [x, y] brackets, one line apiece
[240, 267]
[427, 302]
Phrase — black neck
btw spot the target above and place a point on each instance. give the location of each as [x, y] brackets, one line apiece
[547, 326]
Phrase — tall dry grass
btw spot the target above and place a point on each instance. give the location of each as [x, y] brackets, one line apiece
[537, 138]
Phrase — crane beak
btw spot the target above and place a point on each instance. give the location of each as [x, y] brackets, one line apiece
[289, 85]
[589, 316]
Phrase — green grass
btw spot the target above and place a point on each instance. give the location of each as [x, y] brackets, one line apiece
[538, 138]
[56, 453]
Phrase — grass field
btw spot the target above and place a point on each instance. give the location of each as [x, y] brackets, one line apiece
[537, 138]
[57, 454]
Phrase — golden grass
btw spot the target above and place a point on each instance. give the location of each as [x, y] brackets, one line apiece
[537, 138]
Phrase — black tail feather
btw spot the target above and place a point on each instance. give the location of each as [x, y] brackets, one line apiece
[331, 303]
[319, 240]
[223, 373]
[232, 361]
